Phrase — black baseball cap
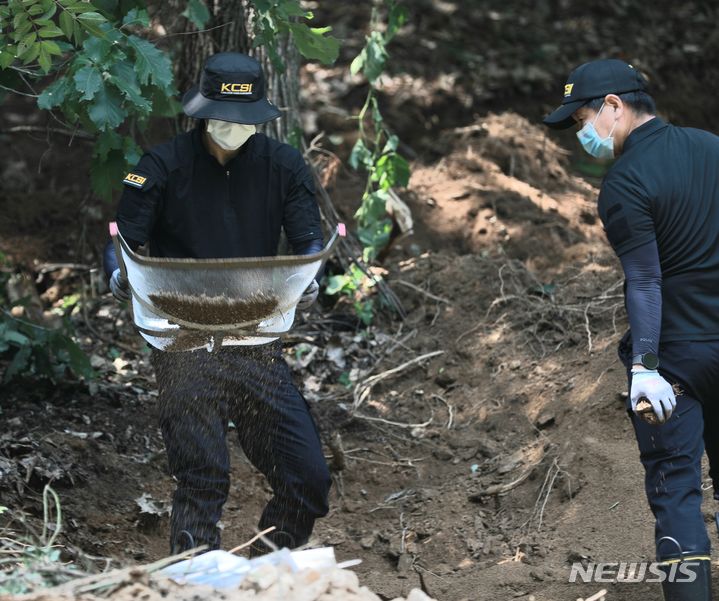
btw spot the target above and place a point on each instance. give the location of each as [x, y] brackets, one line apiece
[231, 88]
[593, 80]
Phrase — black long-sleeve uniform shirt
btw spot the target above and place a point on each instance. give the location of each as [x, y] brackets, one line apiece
[659, 203]
[182, 201]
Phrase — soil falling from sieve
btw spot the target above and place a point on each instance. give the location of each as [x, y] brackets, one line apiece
[215, 310]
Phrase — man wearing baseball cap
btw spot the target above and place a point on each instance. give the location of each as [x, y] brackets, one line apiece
[223, 190]
[659, 203]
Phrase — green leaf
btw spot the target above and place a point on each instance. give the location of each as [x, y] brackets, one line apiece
[88, 81]
[20, 362]
[20, 31]
[391, 145]
[137, 17]
[66, 22]
[164, 104]
[67, 351]
[51, 47]
[122, 76]
[16, 338]
[51, 31]
[92, 22]
[262, 6]
[97, 49]
[45, 59]
[360, 156]
[106, 141]
[106, 111]
[291, 8]
[358, 62]
[131, 150]
[376, 56]
[106, 174]
[314, 44]
[374, 237]
[26, 43]
[19, 19]
[397, 17]
[373, 208]
[391, 170]
[6, 58]
[151, 63]
[31, 54]
[79, 8]
[336, 284]
[35, 10]
[197, 12]
[55, 94]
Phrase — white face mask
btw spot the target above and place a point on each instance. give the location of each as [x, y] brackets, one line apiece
[229, 136]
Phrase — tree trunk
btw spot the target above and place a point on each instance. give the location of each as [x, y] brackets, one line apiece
[230, 30]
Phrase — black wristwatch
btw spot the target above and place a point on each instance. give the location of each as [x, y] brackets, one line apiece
[648, 360]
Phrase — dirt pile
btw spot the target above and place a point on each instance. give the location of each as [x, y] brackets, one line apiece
[215, 310]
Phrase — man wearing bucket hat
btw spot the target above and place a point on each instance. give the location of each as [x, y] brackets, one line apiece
[223, 190]
[659, 204]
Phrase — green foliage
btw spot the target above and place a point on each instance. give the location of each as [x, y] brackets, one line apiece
[276, 19]
[355, 285]
[373, 58]
[376, 153]
[376, 148]
[36, 350]
[106, 78]
[197, 12]
[40, 351]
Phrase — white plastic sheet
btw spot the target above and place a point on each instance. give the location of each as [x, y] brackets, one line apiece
[221, 569]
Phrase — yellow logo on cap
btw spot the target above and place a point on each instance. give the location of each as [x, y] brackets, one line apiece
[568, 89]
[236, 88]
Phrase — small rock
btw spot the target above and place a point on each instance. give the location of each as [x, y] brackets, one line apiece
[445, 379]
[404, 565]
[367, 542]
[443, 454]
[544, 420]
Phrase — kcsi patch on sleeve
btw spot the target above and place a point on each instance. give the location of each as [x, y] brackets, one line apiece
[135, 180]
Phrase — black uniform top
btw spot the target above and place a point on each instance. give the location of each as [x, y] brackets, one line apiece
[188, 205]
[665, 187]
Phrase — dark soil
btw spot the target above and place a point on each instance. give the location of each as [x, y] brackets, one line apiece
[216, 310]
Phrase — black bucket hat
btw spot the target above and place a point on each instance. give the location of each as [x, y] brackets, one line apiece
[594, 80]
[232, 88]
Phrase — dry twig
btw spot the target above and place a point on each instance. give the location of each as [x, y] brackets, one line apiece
[363, 389]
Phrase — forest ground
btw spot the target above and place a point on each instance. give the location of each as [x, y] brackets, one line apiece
[507, 274]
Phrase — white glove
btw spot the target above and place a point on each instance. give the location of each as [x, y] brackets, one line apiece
[309, 296]
[119, 286]
[650, 385]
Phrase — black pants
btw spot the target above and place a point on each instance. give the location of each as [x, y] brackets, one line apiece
[199, 392]
[671, 453]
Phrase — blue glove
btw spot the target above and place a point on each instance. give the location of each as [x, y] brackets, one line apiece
[309, 296]
[650, 385]
[119, 286]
